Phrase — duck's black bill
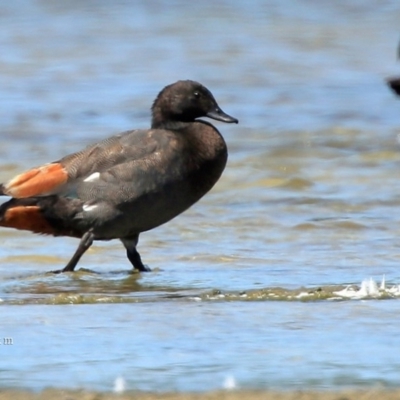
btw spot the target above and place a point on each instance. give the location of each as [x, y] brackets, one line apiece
[394, 84]
[219, 115]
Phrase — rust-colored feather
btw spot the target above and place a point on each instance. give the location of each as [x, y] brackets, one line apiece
[28, 218]
[37, 181]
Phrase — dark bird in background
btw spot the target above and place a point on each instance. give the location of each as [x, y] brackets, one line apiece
[394, 83]
[126, 184]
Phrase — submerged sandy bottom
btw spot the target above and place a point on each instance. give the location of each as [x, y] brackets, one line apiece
[218, 395]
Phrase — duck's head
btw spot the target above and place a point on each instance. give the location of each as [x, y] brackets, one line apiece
[185, 101]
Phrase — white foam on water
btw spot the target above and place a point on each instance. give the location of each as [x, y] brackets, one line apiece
[119, 385]
[369, 288]
[229, 383]
[302, 294]
[383, 283]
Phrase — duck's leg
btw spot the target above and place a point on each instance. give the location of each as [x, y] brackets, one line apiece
[133, 255]
[84, 244]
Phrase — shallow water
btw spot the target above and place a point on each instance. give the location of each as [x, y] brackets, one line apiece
[265, 282]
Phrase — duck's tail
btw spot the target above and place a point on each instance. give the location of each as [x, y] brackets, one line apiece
[50, 215]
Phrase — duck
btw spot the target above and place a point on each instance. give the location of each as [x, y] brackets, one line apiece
[126, 184]
[394, 82]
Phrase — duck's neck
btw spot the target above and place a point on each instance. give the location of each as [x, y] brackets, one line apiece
[162, 119]
[166, 123]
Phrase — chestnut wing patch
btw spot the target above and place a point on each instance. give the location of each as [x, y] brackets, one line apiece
[39, 181]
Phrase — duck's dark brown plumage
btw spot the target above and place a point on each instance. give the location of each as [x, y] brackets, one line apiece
[126, 184]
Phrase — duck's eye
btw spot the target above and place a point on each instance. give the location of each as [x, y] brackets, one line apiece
[196, 94]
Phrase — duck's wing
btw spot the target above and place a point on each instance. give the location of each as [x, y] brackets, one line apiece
[89, 188]
[65, 175]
